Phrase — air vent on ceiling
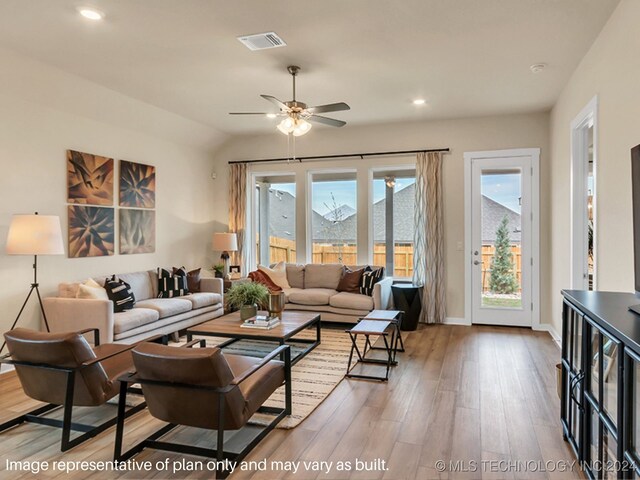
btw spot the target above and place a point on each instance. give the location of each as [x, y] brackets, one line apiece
[262, 41]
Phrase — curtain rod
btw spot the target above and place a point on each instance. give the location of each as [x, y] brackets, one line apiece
[346, 155]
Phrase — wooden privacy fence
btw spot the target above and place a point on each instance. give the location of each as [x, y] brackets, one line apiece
[283, 249]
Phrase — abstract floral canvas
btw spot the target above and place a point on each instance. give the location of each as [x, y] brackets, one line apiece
[89, 178]
[91, 231]
[137, 185]
[137, 231]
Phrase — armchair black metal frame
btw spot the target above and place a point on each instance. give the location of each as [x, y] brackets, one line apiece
[154, 442]
[67, 425]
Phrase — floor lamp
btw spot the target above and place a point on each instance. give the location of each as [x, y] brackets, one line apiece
[34, 235]
[225, 243]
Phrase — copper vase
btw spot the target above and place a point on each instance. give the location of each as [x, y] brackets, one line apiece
[275, 304]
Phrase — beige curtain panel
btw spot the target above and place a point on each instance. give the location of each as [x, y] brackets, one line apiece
[238, 211]
[428, 259]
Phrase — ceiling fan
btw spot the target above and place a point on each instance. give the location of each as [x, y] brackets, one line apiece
[298, 117]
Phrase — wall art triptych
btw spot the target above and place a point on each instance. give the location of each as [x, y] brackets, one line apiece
[91, 215]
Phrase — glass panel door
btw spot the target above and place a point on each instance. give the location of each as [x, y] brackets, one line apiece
[501, 241]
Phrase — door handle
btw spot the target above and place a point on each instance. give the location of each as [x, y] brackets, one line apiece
[475, 252]
[476, 262]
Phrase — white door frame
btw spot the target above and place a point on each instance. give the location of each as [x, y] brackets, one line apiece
[534, 154]
[586, 119]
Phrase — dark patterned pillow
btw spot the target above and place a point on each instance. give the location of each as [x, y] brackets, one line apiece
[369, 279]
[172, 284]
[193, 279]
[120, 293]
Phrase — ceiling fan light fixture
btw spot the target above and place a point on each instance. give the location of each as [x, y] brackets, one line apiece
[302, 127]
[271, 115]
[287, 125]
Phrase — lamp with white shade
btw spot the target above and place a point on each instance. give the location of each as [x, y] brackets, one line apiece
[34, 235]
[225, 243]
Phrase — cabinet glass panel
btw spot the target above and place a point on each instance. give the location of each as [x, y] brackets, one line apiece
[576, 358]
[634, 408]
[610, 379]
[576, 418]
[609, 455]
[595, 364]
[594, 436]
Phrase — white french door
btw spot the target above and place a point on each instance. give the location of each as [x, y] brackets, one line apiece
[502, 237]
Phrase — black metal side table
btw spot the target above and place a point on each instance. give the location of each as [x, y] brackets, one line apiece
[408, 298]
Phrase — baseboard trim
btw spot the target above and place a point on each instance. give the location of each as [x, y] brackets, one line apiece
[5, 368]
[550, 329]
[457, 321]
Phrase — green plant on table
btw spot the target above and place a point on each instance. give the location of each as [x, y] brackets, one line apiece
[218, 268]
[249, 293]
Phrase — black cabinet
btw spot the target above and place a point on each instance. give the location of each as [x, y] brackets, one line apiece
[600, 409]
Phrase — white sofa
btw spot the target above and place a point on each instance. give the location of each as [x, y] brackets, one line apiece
[313, 289]
[150, 316]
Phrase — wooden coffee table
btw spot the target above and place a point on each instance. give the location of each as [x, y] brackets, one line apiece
[292, 323]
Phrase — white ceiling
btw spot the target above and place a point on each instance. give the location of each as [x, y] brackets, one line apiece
[465, 57]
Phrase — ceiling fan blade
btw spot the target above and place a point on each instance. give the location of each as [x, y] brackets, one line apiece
[249, 113]
[331, 107]
[327, 121]
[275, 101]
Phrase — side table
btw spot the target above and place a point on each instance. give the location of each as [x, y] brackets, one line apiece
[408, 298]
[228, 283]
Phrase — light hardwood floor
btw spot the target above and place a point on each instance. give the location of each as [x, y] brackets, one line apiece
[468, 394]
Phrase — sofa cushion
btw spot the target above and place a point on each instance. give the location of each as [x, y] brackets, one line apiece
[353, 301]
[325, 275]
[203, 299]
[193, 278]
[90, 292]
[295, 275]
[68, 290]
[171, 285]
[350, 281]
[311, 296]
[120, 294]
[140, 284]
[130, 319]
[289, 291]
[369, 279]
[166, 307]
[277, 274]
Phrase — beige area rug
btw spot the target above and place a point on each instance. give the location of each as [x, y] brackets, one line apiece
[313, 377]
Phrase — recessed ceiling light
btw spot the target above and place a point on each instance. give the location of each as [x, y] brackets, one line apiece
[537, 67]
[271, 115]
[90, 13]
[419, 101]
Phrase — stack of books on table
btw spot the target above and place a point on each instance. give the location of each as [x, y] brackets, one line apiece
[261, 321]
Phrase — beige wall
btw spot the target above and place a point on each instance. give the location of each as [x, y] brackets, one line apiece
[611, 70]
[44, 112]
[471, 134]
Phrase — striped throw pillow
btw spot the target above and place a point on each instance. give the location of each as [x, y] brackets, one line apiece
[120, 293]
[369, 279]
[172, 285]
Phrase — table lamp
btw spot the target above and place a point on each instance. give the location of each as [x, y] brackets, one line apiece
[225, 243]
[34, 235]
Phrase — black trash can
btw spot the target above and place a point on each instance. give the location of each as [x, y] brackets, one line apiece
[408, 298]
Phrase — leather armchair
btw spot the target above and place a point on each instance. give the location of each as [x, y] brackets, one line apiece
[205, 388]
[62, 369]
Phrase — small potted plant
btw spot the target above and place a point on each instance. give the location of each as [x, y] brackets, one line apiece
[218, 268]
[247, 297]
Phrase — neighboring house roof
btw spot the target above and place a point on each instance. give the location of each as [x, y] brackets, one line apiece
[343, 211]
[492, 214]
[282, 219]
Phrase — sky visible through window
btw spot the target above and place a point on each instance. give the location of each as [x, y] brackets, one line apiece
[503, 188]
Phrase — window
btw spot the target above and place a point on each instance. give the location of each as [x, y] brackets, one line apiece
[392, 220]
[275, 219]
[333, 218]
